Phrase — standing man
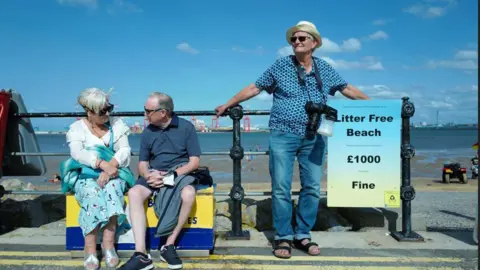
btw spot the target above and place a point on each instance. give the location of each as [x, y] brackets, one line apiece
[293, 80]
[169, 143]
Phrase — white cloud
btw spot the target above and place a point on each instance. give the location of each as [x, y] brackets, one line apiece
[431, 8]
[382, 92]
[349, 45]
[452, 104]
[378, 35]
[467, 54]
[264, 96]
[92, 4]
[284, 51]
[185, 47]
[440, 105]
[328, 46]
[454, 64]
[464, 59]
[367, 63]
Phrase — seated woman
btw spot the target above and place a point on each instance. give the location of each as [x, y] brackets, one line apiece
[98, 174]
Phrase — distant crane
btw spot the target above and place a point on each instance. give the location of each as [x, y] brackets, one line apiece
[246, 124]
[215, 124]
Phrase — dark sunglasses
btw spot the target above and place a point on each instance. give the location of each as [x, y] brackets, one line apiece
[150, 111]
[108, 108]
[301, 39]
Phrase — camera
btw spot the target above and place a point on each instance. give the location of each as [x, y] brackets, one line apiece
[314, 112]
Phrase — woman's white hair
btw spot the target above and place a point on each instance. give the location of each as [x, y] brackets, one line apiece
[93, 99]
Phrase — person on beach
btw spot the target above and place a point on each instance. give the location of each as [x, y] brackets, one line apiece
[168, 144]
[98, 174]
[293, 80]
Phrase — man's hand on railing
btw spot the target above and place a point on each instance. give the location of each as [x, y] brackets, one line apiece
[220, 110]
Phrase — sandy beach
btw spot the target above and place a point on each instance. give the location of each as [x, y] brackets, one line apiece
[256, 170]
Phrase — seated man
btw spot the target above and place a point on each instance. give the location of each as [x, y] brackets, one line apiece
[168, 143]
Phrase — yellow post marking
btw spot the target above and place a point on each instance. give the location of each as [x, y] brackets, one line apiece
[76, 263]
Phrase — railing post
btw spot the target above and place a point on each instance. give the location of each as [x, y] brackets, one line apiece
[237, 193]
[407, 192]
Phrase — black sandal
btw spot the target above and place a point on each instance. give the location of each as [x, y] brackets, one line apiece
[287, 248]
[305, 248]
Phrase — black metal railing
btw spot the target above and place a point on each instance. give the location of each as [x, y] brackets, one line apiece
[237, 193]
[407, 192]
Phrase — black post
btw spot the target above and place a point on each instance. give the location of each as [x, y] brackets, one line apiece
[407, 192]
[237, 193]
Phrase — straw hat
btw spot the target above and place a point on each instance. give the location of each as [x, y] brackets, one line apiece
[308, 27]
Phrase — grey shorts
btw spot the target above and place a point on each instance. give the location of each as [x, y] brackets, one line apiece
[141, 181]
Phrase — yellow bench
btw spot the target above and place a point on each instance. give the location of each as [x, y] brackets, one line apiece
[197, 233]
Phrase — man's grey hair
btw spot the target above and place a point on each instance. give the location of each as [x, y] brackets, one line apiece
[164, 101]
[93, 99]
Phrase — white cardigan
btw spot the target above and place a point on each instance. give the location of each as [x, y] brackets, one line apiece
[79, 136]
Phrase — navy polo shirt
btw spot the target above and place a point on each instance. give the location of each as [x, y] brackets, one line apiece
[168, 147]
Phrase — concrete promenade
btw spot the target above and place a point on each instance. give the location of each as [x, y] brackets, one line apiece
[442, 214]
[339, 250]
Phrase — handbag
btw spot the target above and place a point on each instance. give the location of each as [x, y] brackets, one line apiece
[202, 176]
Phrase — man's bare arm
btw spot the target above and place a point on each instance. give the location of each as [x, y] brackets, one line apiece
[244, 94]
[352, 92]
[192, 165]
[143, 169]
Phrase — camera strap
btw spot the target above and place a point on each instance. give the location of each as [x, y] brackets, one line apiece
[301, 75]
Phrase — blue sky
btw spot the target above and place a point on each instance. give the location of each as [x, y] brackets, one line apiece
[203, 52]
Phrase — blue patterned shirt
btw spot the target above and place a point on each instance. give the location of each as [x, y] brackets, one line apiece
[289, 96]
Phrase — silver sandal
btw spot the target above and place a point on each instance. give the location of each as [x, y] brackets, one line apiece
[91, 259]
[109, 255]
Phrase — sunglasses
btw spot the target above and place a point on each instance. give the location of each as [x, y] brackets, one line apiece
[150, 111]
[108, 108]
[301, 39]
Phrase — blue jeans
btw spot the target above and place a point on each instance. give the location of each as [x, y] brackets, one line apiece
[284, 147]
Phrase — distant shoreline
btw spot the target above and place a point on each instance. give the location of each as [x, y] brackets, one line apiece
[41, 132]
[210, 132]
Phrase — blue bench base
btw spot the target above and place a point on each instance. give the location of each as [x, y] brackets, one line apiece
[189, 239]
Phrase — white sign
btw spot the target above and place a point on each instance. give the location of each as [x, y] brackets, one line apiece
[364, 154]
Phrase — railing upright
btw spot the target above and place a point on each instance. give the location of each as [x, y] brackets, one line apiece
[407, 192]
[237, 192]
